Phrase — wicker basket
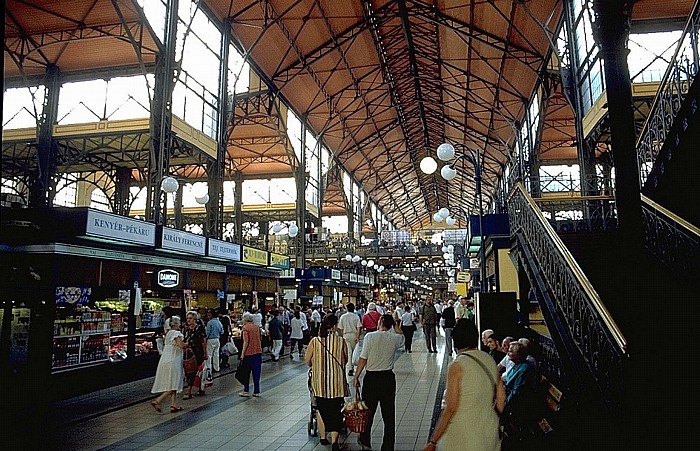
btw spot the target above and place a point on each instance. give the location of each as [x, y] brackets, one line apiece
[357, 420]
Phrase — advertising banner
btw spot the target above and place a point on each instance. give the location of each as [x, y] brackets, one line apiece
[177, 240]
[223, 249]
[279, 261]
[120, 228]
[256, 256]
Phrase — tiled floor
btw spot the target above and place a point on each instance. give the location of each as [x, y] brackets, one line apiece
[222, 420]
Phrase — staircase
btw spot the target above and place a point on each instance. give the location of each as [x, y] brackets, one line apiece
[622, 321]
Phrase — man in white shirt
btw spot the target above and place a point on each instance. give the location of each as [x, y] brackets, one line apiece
[315, 321]
[460, 309]
[379, 385]
[350, 327]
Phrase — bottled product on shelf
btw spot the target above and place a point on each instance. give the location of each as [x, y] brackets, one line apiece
[81, 336]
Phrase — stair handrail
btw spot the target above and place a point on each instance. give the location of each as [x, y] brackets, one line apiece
[579, 275]
[674, 241]
[670, 95]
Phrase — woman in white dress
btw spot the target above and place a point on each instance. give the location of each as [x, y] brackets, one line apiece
[170, 374]
[475, 397]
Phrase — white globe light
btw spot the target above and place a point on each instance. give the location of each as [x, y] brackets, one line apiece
[348, 257]
[437, 217]
[202, 200]
[445, 255]
[448, 172]
[293, 230]
[450, 248]
[428, 165]
[356, 258]
[452, 279]
[444, 213]
[451, 272]
[169, 185]
[450, 221]
[381, 268]
[445, 151]
[444, 249]
[370, 263]
[363, 262]
[199, 189]
[277, 227]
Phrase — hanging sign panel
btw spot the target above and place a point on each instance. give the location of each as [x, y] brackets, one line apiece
[256, 256]
[279, 261]
[119, 228]
[177, 240]
[223, 249]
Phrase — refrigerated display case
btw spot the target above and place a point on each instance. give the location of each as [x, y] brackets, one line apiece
[81, 337]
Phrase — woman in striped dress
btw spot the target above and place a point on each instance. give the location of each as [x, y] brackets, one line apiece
[327, 356]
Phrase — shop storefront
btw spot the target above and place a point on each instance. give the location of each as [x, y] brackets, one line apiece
[85, 309]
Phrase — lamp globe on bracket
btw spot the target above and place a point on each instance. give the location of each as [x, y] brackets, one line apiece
[203, 199]
[277, 227]
[450, 221]
[444, 213]
[169, 185]
[437, 217]
[293, 230]
[448, 172]
[428, 165]
[446, 151]
[348, 257]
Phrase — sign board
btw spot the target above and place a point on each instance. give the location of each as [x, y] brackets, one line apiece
[335, 274]
[73, 295]
[120, 228]
[290, 294]
[345, 276]
[168, 278]
[224, 250]
[177, 240]
[473, 263]
[279, 261]
[463, 276]
[256, 256]
[353, 277]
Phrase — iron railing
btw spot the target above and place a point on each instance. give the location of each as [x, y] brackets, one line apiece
[598, 340]
[674, 241]
[669, 98]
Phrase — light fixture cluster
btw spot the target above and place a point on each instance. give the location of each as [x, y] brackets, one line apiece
[444, 215]
[292, 230]
[445, 152]
[170, 185]
[363, 262]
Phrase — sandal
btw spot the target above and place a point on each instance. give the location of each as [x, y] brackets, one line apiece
[156, 406]
[201, 393]
[187, 397]
[174, 409]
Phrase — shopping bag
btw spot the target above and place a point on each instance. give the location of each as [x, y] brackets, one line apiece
[243, 373]
[356, 354]
[199, 377]
[207, 379]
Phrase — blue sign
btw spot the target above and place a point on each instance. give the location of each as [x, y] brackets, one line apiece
[73, 295]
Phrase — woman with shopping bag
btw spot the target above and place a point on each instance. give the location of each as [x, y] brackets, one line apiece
[327, 356]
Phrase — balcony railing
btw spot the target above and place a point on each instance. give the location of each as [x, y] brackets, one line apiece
[669, 99]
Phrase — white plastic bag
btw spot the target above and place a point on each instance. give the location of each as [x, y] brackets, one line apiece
[356, 354]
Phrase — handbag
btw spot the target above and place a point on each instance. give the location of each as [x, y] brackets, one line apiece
[189, 361]
[357, 418]
[243, 373]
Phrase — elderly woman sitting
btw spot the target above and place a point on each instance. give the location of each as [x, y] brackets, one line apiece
[251, 353]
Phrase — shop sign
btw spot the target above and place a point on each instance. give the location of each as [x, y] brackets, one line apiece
[224, 249]
[353, 277]
[168, 278]
[463, 276]
[473, 263]
[345, 276]
[279, 261]
[177, 240]
[252, 255]
[73, 295]
[120, 228]
[335, 274]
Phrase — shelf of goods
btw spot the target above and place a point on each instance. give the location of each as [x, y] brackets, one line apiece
[80, 339]
[145, 344]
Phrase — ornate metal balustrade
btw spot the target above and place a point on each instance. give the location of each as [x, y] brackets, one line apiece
[579, 214]
[674, 241]
[594, 340]
[669, 99]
